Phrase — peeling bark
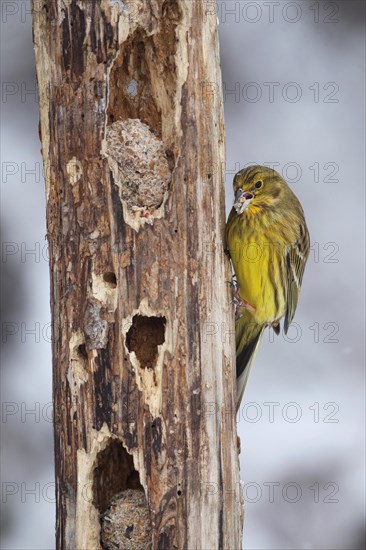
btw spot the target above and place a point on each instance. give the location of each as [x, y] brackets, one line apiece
[143, 353]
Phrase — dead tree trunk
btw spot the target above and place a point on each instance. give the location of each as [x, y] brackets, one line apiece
[143, 361]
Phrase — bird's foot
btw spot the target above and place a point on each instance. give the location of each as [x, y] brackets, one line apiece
[233, 283]
[238, 301]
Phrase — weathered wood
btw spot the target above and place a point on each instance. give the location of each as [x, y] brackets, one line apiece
[143, 357]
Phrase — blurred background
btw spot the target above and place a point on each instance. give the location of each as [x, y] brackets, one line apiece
[294, 98]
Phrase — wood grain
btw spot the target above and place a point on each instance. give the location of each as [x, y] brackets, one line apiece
[143, 335]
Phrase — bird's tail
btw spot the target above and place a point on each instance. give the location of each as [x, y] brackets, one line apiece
[247, 337]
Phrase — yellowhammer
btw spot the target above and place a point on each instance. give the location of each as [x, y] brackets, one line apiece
[268, 242]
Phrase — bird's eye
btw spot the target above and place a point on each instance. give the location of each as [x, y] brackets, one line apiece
[259, 184]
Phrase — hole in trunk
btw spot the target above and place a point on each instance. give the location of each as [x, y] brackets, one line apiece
[114, 472]
[81, 351]
[110, 278]
[121, 501]
[143, 77]
[144, 337]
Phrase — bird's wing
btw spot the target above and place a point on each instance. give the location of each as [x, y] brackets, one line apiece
[296, 256]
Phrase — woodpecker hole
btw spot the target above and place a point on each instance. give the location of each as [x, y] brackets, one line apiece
[133, 93]
[144, 337]
[110, 278]
[81, 351]
[121, 501]
[140, 139]
[114, 472]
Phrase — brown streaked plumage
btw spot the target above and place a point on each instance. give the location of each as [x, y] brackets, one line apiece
[268, 241]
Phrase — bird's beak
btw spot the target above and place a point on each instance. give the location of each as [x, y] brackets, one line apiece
[242, 200]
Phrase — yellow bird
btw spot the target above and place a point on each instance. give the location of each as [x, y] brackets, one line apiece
[268, 242]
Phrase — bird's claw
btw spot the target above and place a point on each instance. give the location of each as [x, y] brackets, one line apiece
[238, 301]
[245, 305]
[233, 283]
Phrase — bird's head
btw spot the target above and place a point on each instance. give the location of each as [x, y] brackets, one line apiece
[258, 187]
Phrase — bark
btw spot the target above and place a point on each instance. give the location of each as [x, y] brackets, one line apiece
[132, 136]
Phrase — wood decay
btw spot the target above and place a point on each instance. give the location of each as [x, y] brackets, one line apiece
[143, 349]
